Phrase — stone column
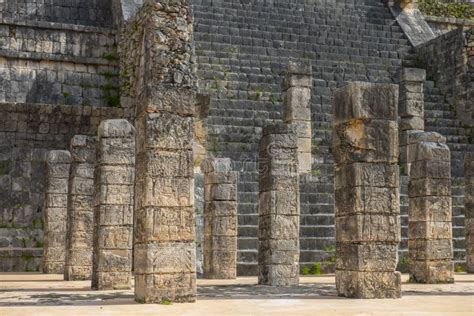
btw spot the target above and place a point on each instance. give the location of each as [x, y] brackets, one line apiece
[80, 212]
[430, 245]
[367, 201]
[279, 207]
[113, 205]
[411, 110]
[469, 210]
[220, 219]
[164, 248]
[296, 108]
[58, 163]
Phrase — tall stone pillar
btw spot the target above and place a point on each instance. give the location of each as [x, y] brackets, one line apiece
[220, 219]
[113, 205]
[58, 163]
[80, 212]
[469, 210]
[367, 201]
[411, 110]
[279, 207]
[165, 250]
[296, 108]
[430, 245]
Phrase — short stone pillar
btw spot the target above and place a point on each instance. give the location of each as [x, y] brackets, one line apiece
[469, 210]
[411, 110]
[80, 210]
[430, 245]
[113, 206]
[58, 163]
[367, 201]
[296, 108]
[220, 219]
[279, 207]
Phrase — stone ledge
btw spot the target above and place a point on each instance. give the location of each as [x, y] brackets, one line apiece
[56, 58]
[447, 20]
[58, 26]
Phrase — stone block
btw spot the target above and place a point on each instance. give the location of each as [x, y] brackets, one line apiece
[429, 187]
[165, 258]
[367, 174]
[295, 104]
[112, 281]
[115, 237]
[221, 208]
[412, 123]
[429, 230]
[363, 100]
[279, 203]
[430, 209]
[376, 257]
[116, 151]
[373, 141]
[221, 178]
[413, 75]
[116, 175]
[221, 192]
[368, 228]
[164, 192]
[216, 165]
[436, 271]
[112, 215]
[156, 288]
[367, 200]
[114, 260]
[165, 164]
[368, 285]
[220, 264]
[278, 275]
[412, 106]
[278, 227]
[180, 101]
[430, 168]
[114, 194]
[118, 128]
[431, 249]
[163, 224]
[164, 131]
[430, 151]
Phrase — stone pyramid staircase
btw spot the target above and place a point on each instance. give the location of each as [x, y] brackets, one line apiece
[243, 48]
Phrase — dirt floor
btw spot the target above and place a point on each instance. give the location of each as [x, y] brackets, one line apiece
[29, 294]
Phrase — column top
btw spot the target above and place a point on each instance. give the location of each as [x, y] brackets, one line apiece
[117, 128]
[58, 156]
[413, 74]
[209, 165]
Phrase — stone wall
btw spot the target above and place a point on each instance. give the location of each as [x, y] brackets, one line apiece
[83, 12]
[448, 61]
[27, 133]
[41, 62]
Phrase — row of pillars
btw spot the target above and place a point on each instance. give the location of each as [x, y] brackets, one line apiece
[90, 212]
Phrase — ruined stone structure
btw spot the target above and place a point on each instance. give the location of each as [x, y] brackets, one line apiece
[279, 207]
[220, 219]
[429, 213]
[80, 212]
[114, 205]
[367, 203]
[165, 256]
[411, 109]
[60, 63]
[469, 210]
[58, 163]
[296, 99]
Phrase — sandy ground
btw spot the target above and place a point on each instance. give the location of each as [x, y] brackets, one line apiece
[39, 294]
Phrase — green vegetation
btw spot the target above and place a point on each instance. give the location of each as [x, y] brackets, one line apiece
[404, 261]
[258, 94]
[38, 244]
[439, 8]
[458, 268]
[315, 269]
[166, 302]
[66, 95]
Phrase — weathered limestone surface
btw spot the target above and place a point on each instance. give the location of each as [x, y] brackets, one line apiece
[113, 206]
[58, 163]
[429, 215]
[296, 110]
[80, 213]
[469, 209]
[279, 207]
[411, 110]
[367, 201]
[220, 219]
[165, 250]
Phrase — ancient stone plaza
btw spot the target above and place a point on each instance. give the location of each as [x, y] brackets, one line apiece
[236, 157]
